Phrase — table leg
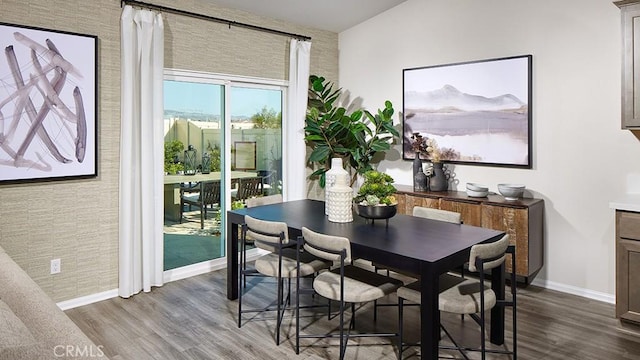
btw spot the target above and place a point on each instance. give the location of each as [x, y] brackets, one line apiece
[497, 313]
[429, 312]
[232, 260]
[172, 202]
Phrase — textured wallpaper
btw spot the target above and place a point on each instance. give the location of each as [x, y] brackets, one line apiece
[77, 220]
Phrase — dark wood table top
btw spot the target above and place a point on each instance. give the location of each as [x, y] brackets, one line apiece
[410, 238]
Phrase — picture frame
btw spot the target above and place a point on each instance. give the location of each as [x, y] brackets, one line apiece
[244, 156]
[475, 112]
[48, 104]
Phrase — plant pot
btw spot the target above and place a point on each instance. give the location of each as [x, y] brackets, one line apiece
[438, 180]
[376, 212]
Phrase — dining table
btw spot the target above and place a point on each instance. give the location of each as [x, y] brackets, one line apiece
[424, 247]
[172, 184]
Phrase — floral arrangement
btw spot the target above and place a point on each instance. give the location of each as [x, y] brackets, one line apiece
[376, 190]
[426, 146]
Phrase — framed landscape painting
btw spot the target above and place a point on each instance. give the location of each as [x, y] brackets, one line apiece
[474, 112]
[48, 104]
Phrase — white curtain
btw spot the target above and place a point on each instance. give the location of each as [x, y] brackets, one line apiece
[295, 176]
[141, 152]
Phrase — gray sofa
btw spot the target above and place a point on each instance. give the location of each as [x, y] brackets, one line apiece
[32, 326]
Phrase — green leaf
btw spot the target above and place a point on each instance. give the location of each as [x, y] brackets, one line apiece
[339, 114]
[318, 172]
[317, 84]
[341, 150]
[380, 146]
[315, 104]
[320, 153]
[314, 138]
[389, 128]
[356, 115]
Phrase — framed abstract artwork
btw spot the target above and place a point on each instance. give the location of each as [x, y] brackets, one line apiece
[475, 112]
[48, 104]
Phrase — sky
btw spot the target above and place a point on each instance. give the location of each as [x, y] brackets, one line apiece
[486, 78]
[207, 98]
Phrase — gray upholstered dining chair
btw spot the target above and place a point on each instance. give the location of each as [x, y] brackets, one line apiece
[345, 283]
[253, 202]
[268, 180]
[440, 215]
[263, 200]
[427, 213]
[249, 187]
[282, 263]
[433, 214]
[207, 198]
[469, 296]
[437, 214]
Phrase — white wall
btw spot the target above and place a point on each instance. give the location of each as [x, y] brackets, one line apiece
[582, 159]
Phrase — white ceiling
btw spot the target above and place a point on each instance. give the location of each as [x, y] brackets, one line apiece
[331, 15]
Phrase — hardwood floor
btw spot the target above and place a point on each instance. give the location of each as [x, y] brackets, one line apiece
[192, 319]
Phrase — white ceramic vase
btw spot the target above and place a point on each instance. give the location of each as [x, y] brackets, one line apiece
[339, 201]
[336, 171]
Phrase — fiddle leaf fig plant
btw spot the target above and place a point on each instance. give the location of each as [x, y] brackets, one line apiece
[355, 137]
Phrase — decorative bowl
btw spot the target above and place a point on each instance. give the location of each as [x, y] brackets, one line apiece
[479, 194]
[477, 187]
[511, 191]
[377, 212]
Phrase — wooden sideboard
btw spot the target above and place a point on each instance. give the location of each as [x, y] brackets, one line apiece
[521, 219]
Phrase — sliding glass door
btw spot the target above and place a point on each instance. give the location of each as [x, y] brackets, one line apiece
[256, 126]
[220, 132]
[194, 121]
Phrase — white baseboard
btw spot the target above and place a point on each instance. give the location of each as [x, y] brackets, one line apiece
[193, 270]
[574, 290]
[86, 300]
[205, 267]
[168, 276]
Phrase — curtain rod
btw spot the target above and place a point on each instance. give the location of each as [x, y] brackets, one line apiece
[214, 19]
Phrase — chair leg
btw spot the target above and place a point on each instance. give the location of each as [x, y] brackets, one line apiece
[240, 290]
[202, 217]
[400, 325]
[244, 261]
[353, 316]
[279, 319]
[513, 318]
[297, 314]
[343, 345]
[483, 344]
[375, 310]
